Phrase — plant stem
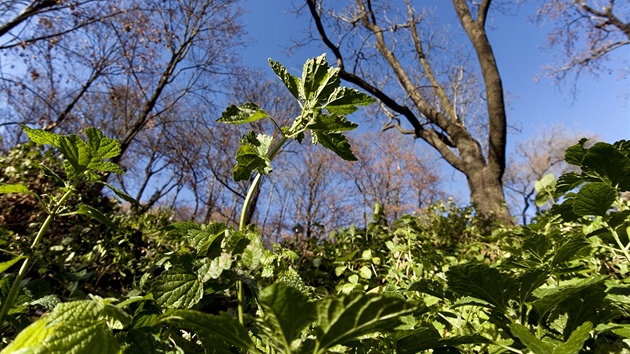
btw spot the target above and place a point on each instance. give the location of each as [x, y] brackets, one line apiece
[623, 248]
[241, 224]
[15, 287]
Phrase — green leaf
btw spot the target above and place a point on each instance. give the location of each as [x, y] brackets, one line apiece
[96, 215]
[330, 122]
[291, 82]
[575, 343]
[212, 268]
[177, 288]
[30, 338]
[101, 146]
[482, 282]
[530, 281]
[426, 338]
[13, 188]
[202, 239]
[605, 162]
[335, 142]
[532, 343]
[594, 199]
[568, 181]
[223, 325]
[6, 265]
[568, 250]
[252, 156]
[549, 298]
[587, 304]
[318, 80]
[345, 100]
[282, 322]
[121, 194]
[346, 317]
[141, 341]
[42, 137]
[575, 153]
[82, 337]
[245, 113]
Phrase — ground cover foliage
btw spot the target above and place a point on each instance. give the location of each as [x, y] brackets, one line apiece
[83, 275]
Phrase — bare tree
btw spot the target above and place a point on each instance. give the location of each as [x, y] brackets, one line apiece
[388, 173]
[533, 159]
[587, 31]
[380, 47]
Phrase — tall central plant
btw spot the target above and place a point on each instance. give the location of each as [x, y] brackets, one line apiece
[325, 105]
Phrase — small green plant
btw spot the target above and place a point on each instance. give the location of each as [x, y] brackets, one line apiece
[84, 160]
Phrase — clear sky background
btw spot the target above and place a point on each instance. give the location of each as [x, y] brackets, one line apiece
[599, 105]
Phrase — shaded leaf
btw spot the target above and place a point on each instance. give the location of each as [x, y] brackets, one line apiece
[549, 298]
[282, 322]
[532, 343]
[224, 326]
[604, 161]
[346, 317]
[594, 198]
[483, 282]
[331, 122]
[96, 215]
[337, 143]
[429, 338]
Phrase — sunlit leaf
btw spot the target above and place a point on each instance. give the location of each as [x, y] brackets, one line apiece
[177, 288]
[345, 100]
[13, 188]
[42, 137]
[102, 147]
[291, 82]
[549, 298]
[245, 113]
[6, 265]
[331, 122]
[318, 80]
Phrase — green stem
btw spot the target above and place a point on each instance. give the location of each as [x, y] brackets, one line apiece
[623, 248]
[241, 224]
[15, 287]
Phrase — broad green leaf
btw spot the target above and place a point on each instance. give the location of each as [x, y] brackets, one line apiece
[286, 312]
[251, 156]
[52, 175]
[426, 338]
[42, 137]
[568, 181]
[318, 80]
[76, 152]
[530, 281]
[568, 250]
[30, 338]
[105, 166]
[587, 304]
[177, 288]
[223, 325]
[202, 239]
[537, 246]
[291, 82]
[330, 122]
[6, 265]
[253, 254]
[532, 343]
[13, 188]
[96, 215]
[345, 100]
[483, 282]
[212, 268]
[604, 161]
[550, 298]
[575, 343]
[75, 311]
[335, 142]
[81, 338]
[245, 113]
[102, 147]
[346, 317]
[594, 198]
[575, 153]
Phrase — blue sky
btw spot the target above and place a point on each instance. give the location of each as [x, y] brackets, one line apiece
[600, 105]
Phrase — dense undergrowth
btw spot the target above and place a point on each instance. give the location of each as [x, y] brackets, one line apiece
[100, 279]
